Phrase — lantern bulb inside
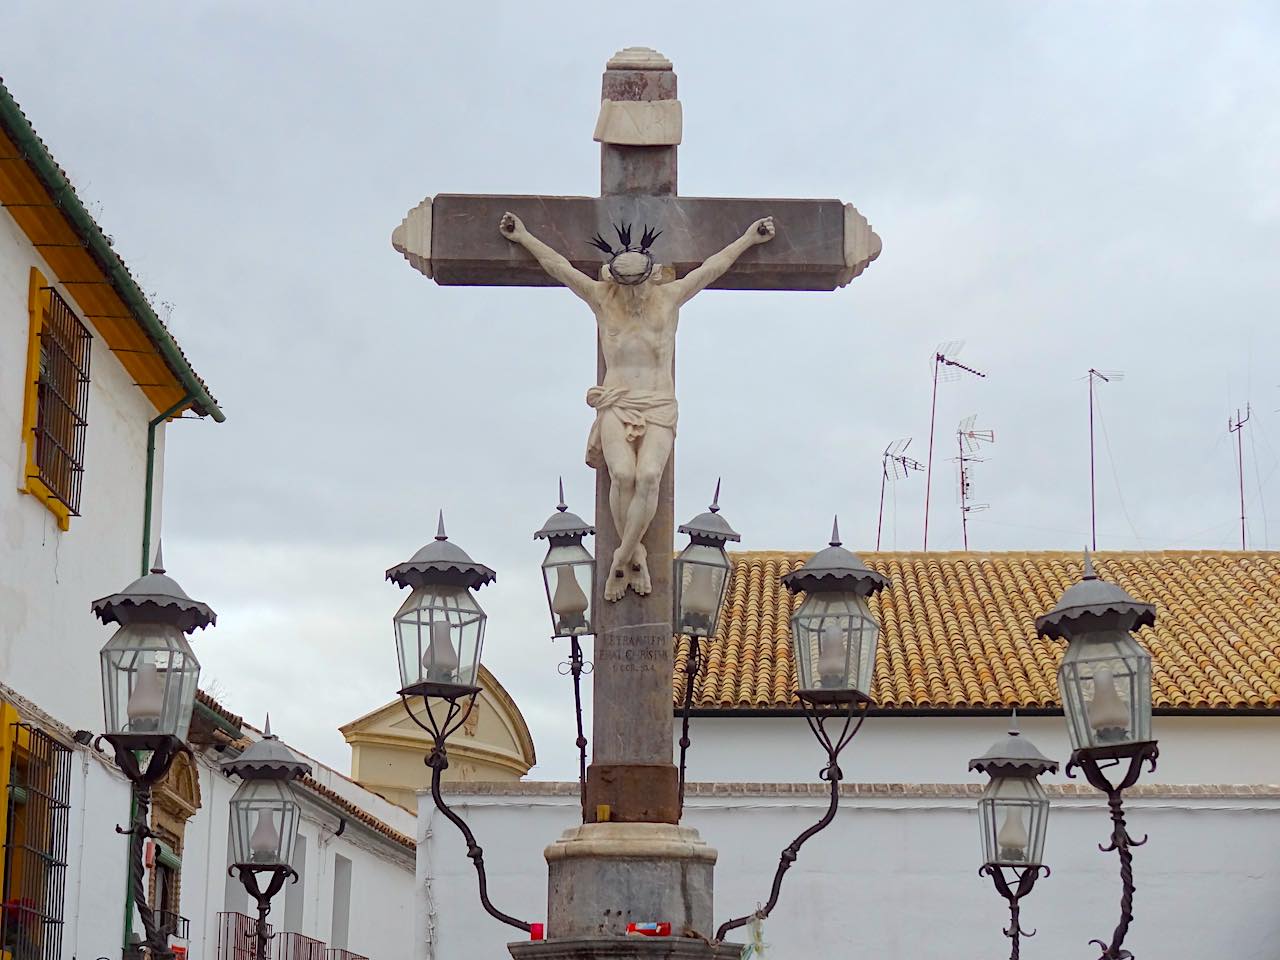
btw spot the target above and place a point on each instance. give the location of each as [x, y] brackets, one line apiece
[700, 596]
[568, 602]
[146, 699]
[265, 839]
[833, 657]
[440, 662]
[1012, 836]
[1108, 715]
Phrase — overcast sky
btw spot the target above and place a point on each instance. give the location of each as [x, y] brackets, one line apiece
[1059, 185]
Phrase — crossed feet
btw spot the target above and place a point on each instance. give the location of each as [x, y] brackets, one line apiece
[630, 572]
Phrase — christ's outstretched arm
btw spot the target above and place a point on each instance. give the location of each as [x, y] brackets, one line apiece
[556, 266]
[715, 266]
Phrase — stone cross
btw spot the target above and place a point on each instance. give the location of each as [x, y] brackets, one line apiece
[818, 245]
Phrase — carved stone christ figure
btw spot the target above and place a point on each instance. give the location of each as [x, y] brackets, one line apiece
[637, 307]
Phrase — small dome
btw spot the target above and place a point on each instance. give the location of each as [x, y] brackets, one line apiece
[835, 568]
[1097, 603]
[268, 759]
[441, 562]
[1013, 755]
[155, 598]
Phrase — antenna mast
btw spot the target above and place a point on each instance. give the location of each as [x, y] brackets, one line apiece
[946, 369]
[895, 465]
[1106, 376]
[1237, 427]
[968, 439]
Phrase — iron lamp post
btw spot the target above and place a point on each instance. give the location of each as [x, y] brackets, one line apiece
[834, 635]
[1013, 814]
[1104, 682]
[265, 816]
[700, 575]
[439, 635]
[569, 575]
[149, 680]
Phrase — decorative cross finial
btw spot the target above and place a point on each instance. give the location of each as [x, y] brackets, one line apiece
[440, 534]
[562, 506]
[1088, 567]
[835, 531]
[158, 566]
[715, 501]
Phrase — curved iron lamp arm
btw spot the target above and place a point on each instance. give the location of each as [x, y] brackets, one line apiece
[857, 710]
[692, 666]
[164, 750]
[248, 874]
[576, 666]
[438, 761]
[1026, 877]
[1092, 763]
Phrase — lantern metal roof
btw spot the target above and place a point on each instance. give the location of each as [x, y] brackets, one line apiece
[709, 528]
[563, 525]
[1013, 755]
[441, 562]
[155, 598]
[268, 759]
[1094, 603]
[835, 568]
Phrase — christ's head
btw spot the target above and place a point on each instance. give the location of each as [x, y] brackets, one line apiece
[628, 266]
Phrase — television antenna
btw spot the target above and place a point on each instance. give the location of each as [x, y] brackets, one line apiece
[1094, 376]
[945, 369]
[1236, 426]
[895, 465]
[969, 440]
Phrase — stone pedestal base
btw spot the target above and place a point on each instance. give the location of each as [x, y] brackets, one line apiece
[627, 948]
[602, 876]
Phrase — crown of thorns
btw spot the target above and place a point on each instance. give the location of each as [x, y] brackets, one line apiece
[624, 237]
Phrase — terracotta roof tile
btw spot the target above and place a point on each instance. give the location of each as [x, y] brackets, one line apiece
[958, 630]
[368, 819]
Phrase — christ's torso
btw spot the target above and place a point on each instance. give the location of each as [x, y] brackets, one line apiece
[638, 337]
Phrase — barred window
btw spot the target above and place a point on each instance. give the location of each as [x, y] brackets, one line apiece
[62, 402]
[37, 805]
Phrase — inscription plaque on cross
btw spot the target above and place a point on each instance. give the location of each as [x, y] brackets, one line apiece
[789, 244]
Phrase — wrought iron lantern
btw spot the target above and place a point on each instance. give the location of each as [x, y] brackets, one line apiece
[833, 632]
[568, 572]
[835, 635]
[265, 816]
[1013, 814]
[149, 671]
[1105, 676]
[701, 572]
[440, 626]
[1105, 685]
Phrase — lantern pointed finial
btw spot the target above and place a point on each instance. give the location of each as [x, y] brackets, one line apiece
[266, 730]
[562, 506]
[1089, 573]
[158, 565]
[440, 534]
[1013, 723]
[835, 531]
[715, 500]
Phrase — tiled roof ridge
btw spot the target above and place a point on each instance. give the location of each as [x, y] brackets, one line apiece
[958, 630]
[364, 816]
[209, 701]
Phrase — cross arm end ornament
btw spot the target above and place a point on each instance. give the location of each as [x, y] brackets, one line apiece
[861, 244]
[412, 239]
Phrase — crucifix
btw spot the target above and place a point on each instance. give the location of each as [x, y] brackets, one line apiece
[635, 254]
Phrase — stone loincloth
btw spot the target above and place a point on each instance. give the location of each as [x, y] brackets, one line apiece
[634, 409]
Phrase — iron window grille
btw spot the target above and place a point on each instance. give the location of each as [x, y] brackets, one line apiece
[333, 953]
[62, 402]
[175, 924]
[35, 842]
[296, 946]
[237, 936]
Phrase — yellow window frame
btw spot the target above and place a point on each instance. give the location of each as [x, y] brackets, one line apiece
[39, 297]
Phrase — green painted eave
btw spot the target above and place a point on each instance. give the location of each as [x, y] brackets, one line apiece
[19, 129]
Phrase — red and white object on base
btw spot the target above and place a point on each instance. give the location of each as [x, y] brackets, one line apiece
[661, 929]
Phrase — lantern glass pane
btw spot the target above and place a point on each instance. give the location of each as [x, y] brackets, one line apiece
[569, 573]
[265, 816]
[149, 678]
[834, 636]
[1014, 813]
[1105, 684]
[701, 578]
[439, 633]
